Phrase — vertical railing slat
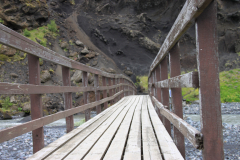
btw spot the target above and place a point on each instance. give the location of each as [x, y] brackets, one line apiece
[36, 102]
[175, 70]
[165, 92]
[67, 98]
[104, 83]
[209, 93]
[97, 93]
[86, 95]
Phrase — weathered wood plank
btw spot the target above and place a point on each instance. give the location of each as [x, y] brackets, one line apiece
[168, 148]
[119, 131]
[97, 93]
[100, 118]
[150, 144]
[16, 88]
[192, 134]
[82, 149]
[12, 132]
[134, 142]
[188, 80]
[191, 10]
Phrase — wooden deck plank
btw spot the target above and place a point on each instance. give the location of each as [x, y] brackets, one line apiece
[61, 141]
[81, 150]
[150, 145]
[134, 142]
[84, 131]
[168, 148]
[119, 134]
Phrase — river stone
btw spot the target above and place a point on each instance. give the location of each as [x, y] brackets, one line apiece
[79, 43]
[12, 99]
[77, 76]
[6, 115]
[45, 76]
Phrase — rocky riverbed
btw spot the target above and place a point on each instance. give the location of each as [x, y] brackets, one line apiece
[21, 147]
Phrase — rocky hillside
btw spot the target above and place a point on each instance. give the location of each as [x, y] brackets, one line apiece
[117, 36]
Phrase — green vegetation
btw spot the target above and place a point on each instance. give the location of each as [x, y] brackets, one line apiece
[20, 109]
[1, 21]
[41, 32]
[71, 43]
[40, 61]
[230, 86]
[51, 70]
[238, 53]
[143, 81]
[26, 33]
[6, 103]
[79, 123]
[17, 57]
[3, 57]
[72, 2]
[52, 26]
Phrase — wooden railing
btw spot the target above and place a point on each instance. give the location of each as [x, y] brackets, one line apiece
[202, 13]
[118, 86]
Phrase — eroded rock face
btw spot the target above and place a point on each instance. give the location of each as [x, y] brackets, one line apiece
[77, 76]
[23, 14]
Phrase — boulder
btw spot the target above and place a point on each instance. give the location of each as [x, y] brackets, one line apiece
[79, 43]
[90, 78]
[83, 60]
[13, 75]
[26, 106]
[7, 51]
[129, 73]
[85, 51]
[149, 44]
[110, 70]
[90, 55]
[64, 45]
[12, 99]
[77, 76]
[94, 63]
[73, 54]
[6, 115]
[45, 76]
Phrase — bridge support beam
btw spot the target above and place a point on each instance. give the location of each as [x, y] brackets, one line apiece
[175, 70]
[86, 95]
[209, 93]
[36, 102]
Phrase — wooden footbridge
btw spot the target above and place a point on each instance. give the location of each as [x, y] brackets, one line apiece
[133, 127]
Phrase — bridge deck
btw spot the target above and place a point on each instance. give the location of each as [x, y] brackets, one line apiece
[130, 129]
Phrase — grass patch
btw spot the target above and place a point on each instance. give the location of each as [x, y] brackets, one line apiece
[6, 103]
[230, 86]
[79, 123]
[41, 32]
[238, 53]
[143, 81]
[72, 2]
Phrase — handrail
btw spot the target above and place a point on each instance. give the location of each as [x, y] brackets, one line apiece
[15, 40]
[118, 85]
[202, 13]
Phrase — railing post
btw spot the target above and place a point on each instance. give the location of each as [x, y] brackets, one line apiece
[97, 93]
[158, 90]
[175, 70]
[122, 87]
[104, 83]
[36, 102]
[209, 93]
[165, 92]
[67, 98]
[86, 95]
[114, 91]
[110, 90]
